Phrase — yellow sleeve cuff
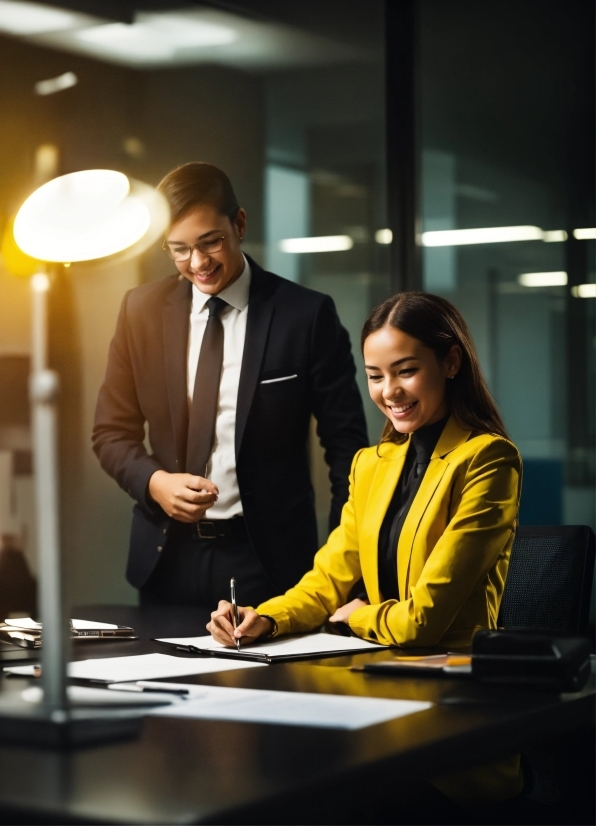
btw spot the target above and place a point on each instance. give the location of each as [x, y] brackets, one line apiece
[362, 621]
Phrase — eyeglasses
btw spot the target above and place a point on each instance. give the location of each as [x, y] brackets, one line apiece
[182, 252]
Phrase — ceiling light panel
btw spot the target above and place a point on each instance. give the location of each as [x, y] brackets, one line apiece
[543, 279]
[135, 43]
[24, 19]
[187, 33]
[193, 36]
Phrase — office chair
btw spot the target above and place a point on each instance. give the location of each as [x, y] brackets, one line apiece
[549, 586]
[549, 583]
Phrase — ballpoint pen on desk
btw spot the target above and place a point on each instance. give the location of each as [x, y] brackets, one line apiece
[149, 687]
[234, 608]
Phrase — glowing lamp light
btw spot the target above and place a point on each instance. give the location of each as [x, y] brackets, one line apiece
[81, 216]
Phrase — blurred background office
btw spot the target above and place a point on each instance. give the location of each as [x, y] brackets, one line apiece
[444, 145]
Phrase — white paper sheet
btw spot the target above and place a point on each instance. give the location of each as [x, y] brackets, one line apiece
[249, 705]
[303, 645]
[140, 667]
[148, 667]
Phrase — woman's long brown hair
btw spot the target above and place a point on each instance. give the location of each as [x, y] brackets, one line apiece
[439, 325]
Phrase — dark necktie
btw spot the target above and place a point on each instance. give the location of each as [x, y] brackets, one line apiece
[203, 410]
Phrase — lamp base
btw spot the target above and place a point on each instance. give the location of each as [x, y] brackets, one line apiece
[30, 724]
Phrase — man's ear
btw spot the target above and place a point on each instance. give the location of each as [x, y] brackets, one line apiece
[240, 223]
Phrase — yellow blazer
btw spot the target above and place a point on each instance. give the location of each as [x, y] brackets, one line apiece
[453, 550]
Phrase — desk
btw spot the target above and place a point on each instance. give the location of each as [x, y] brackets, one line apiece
[196, 771]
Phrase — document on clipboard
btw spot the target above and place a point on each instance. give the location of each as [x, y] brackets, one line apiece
[285, 649]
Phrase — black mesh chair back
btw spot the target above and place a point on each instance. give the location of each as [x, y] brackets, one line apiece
[549, 583]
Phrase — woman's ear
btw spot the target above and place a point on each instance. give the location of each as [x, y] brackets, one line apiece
[452, 361]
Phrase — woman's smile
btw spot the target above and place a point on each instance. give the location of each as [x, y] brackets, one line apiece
[400, 411]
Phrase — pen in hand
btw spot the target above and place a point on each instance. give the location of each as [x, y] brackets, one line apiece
[235, 619]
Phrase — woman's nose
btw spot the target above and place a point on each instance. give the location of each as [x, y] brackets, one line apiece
[391, 389]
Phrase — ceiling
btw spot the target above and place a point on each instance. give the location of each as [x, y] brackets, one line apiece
[147, 34]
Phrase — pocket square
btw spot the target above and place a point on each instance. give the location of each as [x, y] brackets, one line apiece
[282, 378]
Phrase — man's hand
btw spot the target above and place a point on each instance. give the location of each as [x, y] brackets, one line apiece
[181, 495]
[343, 614]
[252, 626]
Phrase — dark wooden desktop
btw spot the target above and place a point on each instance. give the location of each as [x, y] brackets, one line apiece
[194, 771]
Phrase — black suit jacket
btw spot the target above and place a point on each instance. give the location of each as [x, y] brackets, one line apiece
[290, 330]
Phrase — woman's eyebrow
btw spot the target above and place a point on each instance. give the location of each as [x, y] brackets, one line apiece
[393, 364]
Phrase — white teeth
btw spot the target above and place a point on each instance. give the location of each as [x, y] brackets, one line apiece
[401, 408]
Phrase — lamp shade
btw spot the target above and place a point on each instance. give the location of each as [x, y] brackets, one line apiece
[83, 216]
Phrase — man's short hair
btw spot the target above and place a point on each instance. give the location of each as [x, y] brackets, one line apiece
[198, 184]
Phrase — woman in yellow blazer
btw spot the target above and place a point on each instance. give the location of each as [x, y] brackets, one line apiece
[454, 515]
[430, 518]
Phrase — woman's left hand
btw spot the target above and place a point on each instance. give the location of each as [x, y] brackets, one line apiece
[343, 614]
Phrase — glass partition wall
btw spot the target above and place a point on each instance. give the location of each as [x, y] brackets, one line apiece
[507, 209]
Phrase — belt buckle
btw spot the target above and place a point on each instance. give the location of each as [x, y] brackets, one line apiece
[211, 532]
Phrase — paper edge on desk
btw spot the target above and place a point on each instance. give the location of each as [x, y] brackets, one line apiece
[343, 721]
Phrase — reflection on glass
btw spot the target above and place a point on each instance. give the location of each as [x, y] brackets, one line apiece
[505, 239]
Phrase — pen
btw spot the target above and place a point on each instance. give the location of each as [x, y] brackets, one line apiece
[145, 688]
[234, 608]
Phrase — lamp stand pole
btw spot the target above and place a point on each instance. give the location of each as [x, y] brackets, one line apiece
[53, 722]
[44, 388]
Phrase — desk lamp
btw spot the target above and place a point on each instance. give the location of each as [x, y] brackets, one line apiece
[84, 216]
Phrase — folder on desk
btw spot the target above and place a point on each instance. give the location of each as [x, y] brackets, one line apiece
[303, 647]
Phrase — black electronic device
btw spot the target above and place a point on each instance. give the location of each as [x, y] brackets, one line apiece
[539, 660]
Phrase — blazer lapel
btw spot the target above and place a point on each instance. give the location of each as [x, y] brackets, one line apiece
[452, 436]
[260, 313]
[176, 322]
[386, 476]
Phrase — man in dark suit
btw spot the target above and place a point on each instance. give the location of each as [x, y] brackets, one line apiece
[225, 363]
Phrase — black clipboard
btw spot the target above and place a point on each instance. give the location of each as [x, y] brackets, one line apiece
[269, 659]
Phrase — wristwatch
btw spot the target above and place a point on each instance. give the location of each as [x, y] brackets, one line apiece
[274, 624]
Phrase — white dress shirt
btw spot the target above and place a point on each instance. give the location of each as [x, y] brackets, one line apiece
[221, 468]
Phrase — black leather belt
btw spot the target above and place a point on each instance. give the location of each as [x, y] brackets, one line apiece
[220, 528]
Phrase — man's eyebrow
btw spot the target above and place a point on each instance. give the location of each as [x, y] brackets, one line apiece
[394, 364]
[199, 237]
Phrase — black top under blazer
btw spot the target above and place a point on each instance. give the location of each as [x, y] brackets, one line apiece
[290, 330]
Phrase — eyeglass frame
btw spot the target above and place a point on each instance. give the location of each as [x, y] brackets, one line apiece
[166, 248]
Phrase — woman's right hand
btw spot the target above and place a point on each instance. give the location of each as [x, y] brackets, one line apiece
[252, 625]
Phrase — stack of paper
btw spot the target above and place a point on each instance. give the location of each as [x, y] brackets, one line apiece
[27, 633]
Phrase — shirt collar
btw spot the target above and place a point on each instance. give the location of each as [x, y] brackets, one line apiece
[424, 440]
[235, 294]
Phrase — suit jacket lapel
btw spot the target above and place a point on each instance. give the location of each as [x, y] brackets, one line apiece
[451, 437]
[260, 313]
[381, 490]
[176, 323]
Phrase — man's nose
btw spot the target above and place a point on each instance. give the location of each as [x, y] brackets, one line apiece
[198, 259]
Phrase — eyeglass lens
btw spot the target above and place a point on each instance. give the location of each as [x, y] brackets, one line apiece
[182, 252]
